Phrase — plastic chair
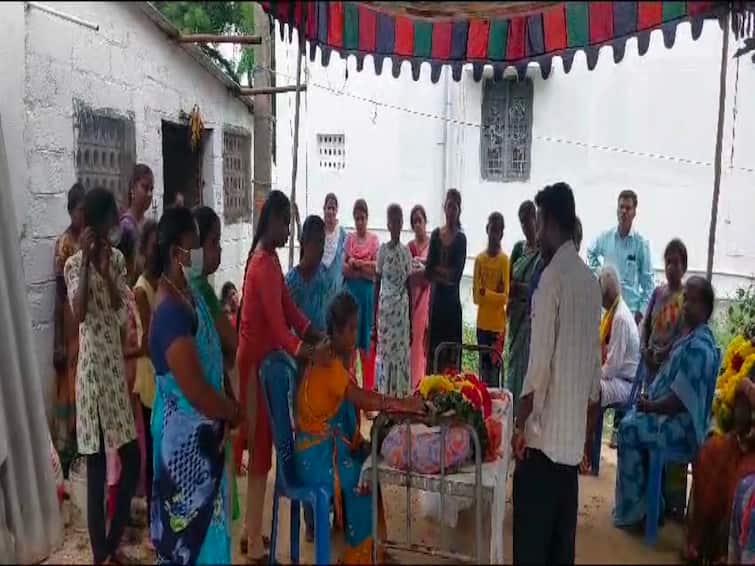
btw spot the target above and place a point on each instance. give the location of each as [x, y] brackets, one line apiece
[278, 374]
[597, 439]
[659, 457]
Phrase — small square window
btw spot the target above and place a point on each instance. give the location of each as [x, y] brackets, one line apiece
[332, 151]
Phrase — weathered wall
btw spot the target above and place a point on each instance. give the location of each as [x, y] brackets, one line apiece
[129, 66]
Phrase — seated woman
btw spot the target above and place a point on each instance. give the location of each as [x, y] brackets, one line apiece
[722, 482]
[327, 403]
[675, 413]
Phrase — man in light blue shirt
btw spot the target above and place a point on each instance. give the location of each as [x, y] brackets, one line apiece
[629, 253]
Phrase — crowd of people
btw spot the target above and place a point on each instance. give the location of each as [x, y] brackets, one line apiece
[159, 378]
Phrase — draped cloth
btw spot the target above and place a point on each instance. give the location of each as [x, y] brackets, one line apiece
[30, 524]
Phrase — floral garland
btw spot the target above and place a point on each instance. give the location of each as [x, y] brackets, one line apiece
[737, 364]
[468, 398]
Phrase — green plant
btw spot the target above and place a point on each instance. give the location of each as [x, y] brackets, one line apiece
[739, 317]
[215, 18]
[469, 360]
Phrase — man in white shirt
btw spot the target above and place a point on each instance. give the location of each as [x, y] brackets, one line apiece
[563, 373]
[622, 351]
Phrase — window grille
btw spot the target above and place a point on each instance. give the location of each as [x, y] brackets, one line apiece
[237, 176]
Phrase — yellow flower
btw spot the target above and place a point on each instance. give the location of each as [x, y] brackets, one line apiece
[435, 383]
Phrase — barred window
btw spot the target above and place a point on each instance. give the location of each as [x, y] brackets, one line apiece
[237, 176]
[105, 151]
[331, 149]
[506, 133]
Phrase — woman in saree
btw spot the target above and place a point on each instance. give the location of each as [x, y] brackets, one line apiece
[722, 489]
[525, 262]
[312, 289]
[676, 411]
[192, 414]
[445, 267]
[309, 283]
[420, 288]
[207, 262]
[335, 240]
[269, 320]
[65, 354]
[360, 263]
[329, 446]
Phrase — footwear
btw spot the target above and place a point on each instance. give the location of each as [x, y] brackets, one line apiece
[614, 440]
[309, 535]
[244, 544]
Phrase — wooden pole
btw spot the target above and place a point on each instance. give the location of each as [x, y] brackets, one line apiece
[271, 89]
[719, 147]
[213, 38]
[295, 157]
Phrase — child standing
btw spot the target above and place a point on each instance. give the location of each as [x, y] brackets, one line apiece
[490, 293]
[393, 314]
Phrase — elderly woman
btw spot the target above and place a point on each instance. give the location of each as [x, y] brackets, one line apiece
[722, 488]
[676, 410]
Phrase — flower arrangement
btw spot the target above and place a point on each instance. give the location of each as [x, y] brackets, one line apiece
[468, 398]
[737, 364]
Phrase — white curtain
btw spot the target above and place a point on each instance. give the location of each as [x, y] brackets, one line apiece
[30, 524]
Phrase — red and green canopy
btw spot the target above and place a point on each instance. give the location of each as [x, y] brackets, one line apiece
[498, 34]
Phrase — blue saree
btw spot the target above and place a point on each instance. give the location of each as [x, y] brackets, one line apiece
[690, 373]
[329, 451]
[313, 296]
[190, 519]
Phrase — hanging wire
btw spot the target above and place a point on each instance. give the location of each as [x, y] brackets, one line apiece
[549, 139]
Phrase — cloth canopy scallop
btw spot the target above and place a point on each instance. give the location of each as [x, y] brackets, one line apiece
[496, 34]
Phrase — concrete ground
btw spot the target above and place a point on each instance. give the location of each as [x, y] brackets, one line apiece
[597, 540]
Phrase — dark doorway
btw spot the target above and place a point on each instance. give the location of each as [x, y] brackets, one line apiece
[182, 167]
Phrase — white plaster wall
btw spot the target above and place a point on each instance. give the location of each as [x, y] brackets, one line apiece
[663, 103]
[12, 68]
[130, 66]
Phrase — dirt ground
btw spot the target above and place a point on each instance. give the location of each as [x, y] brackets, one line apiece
[597, 540]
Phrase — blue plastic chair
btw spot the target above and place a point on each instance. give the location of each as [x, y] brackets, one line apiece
[659, 457]
[597, 439]
[278, 378]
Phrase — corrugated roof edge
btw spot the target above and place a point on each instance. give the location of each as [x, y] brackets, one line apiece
[165, 25]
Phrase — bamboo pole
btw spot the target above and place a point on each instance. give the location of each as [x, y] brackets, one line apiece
[271, 89]
[295, 157]
[719, 146]
[214, 38]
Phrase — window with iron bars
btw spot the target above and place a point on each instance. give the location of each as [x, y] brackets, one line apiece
[237, 176]
[506, 133]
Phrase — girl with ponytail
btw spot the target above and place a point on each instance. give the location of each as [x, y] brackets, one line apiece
[267, 315]
[445, 266]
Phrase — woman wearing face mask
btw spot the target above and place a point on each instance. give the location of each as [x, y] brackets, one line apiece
[267, 316]
[204, 262]
[192, 413]
[140, 190]
[96, 281]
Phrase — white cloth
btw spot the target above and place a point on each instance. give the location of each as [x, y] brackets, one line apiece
[564, 364]
[494, 475]
[614, 391]
[623, 355]
[331, 245]
[30, 524]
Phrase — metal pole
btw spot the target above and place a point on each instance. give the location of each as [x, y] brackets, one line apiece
[295, 157]
[719, 147]
[219, 38]
[243, 91]
[62, 15]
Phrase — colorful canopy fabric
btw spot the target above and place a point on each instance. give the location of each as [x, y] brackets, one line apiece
[500, 34]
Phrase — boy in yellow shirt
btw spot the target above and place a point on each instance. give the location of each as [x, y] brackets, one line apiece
[491, 292]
